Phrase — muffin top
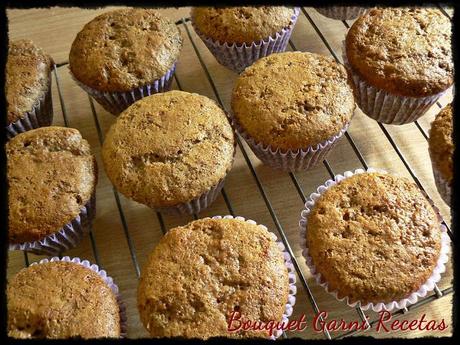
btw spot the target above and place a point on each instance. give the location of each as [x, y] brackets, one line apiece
[374, 237]
[405, 51]
[241, 24]
[51, 175]
[123, 49]
[202, 272]
[441, 145]
[61, 300]
[28, 71]
[168, 148]
[293, 100]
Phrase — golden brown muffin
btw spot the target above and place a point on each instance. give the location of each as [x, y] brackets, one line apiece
[441, 145]
[28, 78]
[200, 273]
[51, 175]
[241, 24]
[124, 49]
[293, 100]
[374, 238]
[404, 51]
[61, 300]
[168, 148]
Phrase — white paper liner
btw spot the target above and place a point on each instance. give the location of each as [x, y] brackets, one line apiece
[41, 115]
[442, 185]
[107, 279]
[290, 160]
[68, 237]
[291, 273]
[239, 56]
[385, 107]
[341, 12]
[116, 102]
[401, 304]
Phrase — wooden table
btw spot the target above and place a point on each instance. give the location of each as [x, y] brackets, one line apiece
[124, 232]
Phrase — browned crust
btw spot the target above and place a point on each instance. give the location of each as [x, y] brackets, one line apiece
[61, 300]
[241, 24]
[293, 100]
[27, 78]
[404, 51]
[169, 148]
[124, 49]
[52, 175]
[441, 145]
[374, 238]
[199, 273]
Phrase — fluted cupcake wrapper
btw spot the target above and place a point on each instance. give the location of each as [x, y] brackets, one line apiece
[385, 107]
[41, 115]
[116, 102]
[239, 56]
[289, 160]
[68, 237]
[341, 12]
[291, 273]
[403, 303]
[107, 279]
[442, 185]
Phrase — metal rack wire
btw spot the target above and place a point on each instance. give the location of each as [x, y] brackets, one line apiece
[268, 204]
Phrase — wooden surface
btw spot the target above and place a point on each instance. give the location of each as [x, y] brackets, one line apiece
[124, 232]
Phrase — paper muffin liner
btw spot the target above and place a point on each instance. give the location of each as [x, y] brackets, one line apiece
[289, 160]
[237, 56]
[107, 279]
[116, 102]
[341, 12]
[291, 273]
[68, 237]
[41, 115]
[442, 185]
[401, 304]
[385, 107]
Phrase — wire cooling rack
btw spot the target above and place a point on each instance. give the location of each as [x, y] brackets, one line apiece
[303, 279]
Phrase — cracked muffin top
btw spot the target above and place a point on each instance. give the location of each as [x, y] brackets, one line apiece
[61, 300]
[404, 51]
[28, 79]
[241, 24]
[441, 145]
[374, 237]
[293, 100]
[200, 273]
[124, 49]
[51, 176]
[168, 148]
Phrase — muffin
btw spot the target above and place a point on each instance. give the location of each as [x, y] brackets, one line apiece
[373, 239]
[123, 55]
[170, 151]
[201, 273]
[238, 36]
[341, 12]
[63, 299]
[401, 61]
[292, 108]
[52, 177]
[441, 148]
[28, 88]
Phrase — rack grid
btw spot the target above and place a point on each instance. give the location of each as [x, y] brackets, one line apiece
[185, 27]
